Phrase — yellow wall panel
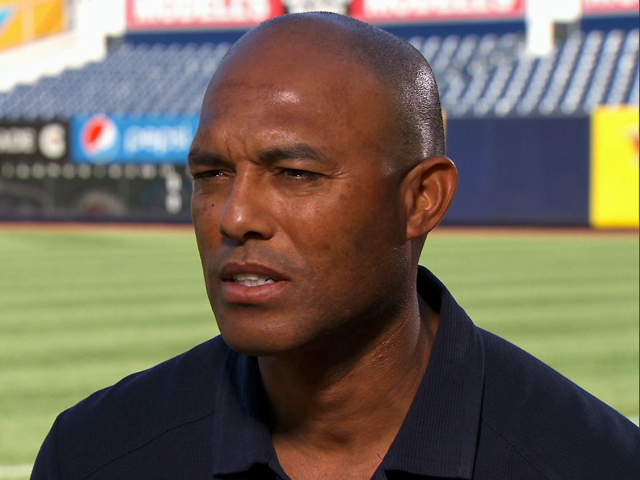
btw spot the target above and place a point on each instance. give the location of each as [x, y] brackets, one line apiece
[31, 19]
[11, 33]
[615, 180]
[49, 17]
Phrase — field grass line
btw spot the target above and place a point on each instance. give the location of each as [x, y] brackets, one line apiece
[8, 472]
[443, 230]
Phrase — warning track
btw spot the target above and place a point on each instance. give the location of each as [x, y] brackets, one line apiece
[442, 231]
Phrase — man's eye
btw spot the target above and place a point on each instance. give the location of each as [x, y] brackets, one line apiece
[299, 174]
[208, 174]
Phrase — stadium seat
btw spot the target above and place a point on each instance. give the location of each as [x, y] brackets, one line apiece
[626, 66]
[477, 75]
[516, 87]
[562, 73]
[604, 71]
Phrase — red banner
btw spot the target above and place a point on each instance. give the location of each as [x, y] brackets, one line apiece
[381, 11]
[610, 7]
[199, 14]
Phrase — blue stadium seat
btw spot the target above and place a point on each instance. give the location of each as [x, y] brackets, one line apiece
[625, 68]
[477, 75]
[603, 73]
[634, 91]
[567, 60]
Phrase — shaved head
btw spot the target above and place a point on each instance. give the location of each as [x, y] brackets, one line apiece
[417, 130]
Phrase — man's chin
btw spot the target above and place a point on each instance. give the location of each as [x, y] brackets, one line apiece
[259, 332]
[256, 350]
[258, 344]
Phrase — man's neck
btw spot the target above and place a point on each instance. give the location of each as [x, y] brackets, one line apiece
[331, 409]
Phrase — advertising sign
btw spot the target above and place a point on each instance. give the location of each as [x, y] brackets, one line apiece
[199, 14]
[389, 11]
[110, 139]
[301, 6]
[614, 197]
[610, 7]
[31, 142]
[25, 20]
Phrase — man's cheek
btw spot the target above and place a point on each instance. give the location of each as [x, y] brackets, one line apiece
[205, 215]
[198, 213]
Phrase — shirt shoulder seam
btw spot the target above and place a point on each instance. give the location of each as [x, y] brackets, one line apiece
[520, 453]
[92, 473]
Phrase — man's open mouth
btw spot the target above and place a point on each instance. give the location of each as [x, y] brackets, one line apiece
[252, 279]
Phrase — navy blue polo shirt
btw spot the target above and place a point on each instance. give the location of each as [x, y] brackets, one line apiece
[485, 410]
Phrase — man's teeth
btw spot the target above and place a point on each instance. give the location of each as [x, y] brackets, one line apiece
[252, 279]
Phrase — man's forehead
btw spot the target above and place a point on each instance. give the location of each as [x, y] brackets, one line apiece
[279, 61]
[284, 79]
[289, 33]
[286, 104]
[271, 73]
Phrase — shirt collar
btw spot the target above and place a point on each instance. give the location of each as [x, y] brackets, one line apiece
[241, 435]
[438, 437]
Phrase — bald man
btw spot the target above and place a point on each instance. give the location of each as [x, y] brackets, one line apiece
[319, 169]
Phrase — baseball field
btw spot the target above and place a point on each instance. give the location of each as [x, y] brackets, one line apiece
[81, 307]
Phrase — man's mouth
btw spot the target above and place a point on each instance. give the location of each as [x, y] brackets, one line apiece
[252, 279]
[251, 283]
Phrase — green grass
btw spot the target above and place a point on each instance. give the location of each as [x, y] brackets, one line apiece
[81, 309]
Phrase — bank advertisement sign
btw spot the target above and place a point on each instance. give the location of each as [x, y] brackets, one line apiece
[199, 14]
[381, 11]
[112, 139]
[34, 141]
[610, 7]
[614, 196]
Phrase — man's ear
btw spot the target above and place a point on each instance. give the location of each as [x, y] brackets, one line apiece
[428, 189]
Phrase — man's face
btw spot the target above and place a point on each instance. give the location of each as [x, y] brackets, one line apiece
[296, 200]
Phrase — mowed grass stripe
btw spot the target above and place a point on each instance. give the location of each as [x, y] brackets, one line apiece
[81, 310]
[573, 302]
[47, 313]
[15, 472]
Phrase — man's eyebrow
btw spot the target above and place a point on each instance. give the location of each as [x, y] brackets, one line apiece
[296, 151]
[199, 158]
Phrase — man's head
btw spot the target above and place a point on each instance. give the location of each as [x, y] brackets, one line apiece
[318, 171]
[402, 72]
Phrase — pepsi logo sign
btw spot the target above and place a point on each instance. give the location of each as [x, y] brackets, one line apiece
[99, 138]
[102, 138]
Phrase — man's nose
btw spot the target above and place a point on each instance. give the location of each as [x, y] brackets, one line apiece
[245, 213]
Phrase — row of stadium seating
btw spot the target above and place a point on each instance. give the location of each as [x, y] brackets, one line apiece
[491, 75]
[477, 76]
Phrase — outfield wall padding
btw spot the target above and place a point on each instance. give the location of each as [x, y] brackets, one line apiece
[615, 148]
[520, 171]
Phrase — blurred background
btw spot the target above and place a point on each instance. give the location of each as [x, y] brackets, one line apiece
[99, 101]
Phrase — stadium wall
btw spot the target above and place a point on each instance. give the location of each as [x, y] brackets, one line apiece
[538, 171]
[614, 192]
[610, 22]
[520, 170]
[405, 31]
[516, 170]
